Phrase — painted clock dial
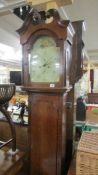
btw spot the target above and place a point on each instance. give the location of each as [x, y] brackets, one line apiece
[44, 64]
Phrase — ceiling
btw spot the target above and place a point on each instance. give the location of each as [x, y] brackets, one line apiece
[80, 10]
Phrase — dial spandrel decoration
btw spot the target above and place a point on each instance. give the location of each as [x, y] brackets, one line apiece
[44, 65]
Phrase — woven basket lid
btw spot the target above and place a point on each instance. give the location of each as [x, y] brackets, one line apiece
[89, 142]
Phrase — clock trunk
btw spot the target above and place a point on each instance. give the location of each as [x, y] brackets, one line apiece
[47, 133]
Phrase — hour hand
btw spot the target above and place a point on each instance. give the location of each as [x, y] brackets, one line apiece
[45, 64]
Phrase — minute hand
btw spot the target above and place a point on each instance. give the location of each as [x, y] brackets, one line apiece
[47, 64]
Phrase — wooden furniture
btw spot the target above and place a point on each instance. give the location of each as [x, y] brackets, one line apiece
[75, 74]
[40, 70]
[91, 79]
[21, 135]
[11, 160]
[46, 66]
[70, 129]
[10, 165]
[72, 168]
[6, 93]
[77, 52]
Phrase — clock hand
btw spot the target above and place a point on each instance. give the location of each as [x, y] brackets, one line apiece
[47, 64]
[44, 65]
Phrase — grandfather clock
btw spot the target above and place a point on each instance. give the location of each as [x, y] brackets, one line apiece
[46, 65]
[75, 74]
[77, 52]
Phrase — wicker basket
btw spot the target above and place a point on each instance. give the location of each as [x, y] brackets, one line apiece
[6, 92]
[87, 154]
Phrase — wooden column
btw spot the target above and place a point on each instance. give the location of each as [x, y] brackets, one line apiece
[92, 79]
[88, 71]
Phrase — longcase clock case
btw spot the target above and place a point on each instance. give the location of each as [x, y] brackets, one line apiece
[47, 88]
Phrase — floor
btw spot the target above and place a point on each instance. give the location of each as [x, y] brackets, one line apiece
[24, 171]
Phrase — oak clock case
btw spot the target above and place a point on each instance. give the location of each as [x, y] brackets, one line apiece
[44, 78]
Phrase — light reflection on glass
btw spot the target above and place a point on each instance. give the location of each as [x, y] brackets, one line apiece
[34, 62]
[57, 65]
[34, 56]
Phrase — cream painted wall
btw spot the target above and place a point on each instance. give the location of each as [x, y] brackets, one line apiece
[86, 10]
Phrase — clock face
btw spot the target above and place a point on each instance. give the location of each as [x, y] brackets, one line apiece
[44, 64]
